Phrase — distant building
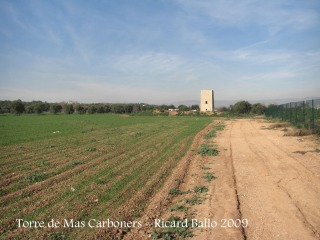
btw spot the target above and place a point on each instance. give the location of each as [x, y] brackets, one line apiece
[207, 101]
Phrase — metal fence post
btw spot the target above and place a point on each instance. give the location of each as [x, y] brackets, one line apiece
[312, 120]
[296, 113]
[290, 112]
[303, 118]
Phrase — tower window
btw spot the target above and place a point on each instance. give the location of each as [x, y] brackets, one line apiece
[206, 102]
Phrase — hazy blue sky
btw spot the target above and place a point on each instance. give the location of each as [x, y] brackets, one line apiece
[158, 51]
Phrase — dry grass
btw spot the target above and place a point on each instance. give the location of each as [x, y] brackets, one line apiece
[300, 132]
[279, 125]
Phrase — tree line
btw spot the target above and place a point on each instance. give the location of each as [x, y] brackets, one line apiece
[39, 107]
[244, 107]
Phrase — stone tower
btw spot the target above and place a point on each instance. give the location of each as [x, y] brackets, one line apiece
[207, 101]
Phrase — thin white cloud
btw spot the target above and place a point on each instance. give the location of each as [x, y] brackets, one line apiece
[274, 15]
[148, 63]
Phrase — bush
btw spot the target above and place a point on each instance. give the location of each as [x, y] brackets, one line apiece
[258, 108]
[241, 107]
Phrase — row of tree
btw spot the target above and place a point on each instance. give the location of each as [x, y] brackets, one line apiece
[244, 107]
[38, 107]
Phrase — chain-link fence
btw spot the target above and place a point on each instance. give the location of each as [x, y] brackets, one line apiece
[302, 114]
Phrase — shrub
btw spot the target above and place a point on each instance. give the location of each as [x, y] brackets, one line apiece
[241, 107]
[258, 108]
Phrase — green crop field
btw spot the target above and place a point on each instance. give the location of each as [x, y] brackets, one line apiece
[83, 167]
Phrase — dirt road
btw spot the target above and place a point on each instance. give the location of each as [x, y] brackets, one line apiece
[267, 185]
[276, 183]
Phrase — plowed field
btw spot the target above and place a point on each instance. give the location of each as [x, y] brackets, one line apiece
[81, 167]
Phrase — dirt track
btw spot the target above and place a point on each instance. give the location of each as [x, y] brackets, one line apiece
[271, 180]
[276, 187]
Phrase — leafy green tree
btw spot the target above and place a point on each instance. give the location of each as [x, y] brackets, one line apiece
[38, 107]
[107, 108]
[100, 109]
[163, 108]
[29, 108]
[195, 107]
[183, 108]
[17, 107]
[55, 108]
[242, 107]
[92, 109]
[128, 108]
[5, 106]
[80, 109]
[258, 108]
[118, 108]
[68, 108]
[136, 108]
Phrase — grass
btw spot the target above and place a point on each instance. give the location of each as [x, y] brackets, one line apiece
[114, 164]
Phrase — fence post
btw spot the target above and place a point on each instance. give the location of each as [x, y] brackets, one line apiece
[290, 112]
[296, 113]
[312, 120]
[303, 117]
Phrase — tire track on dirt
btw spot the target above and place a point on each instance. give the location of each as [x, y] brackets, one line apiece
[301, 178]
[258, 168]
[244, 235]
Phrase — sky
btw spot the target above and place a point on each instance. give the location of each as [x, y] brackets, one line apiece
[158, 51]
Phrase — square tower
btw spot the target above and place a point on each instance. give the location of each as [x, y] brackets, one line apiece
[207, 101]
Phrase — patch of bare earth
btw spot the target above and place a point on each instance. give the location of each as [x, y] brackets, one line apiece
[262, 176]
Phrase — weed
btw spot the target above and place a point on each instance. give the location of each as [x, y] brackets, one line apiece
[3, 192]
[205, 168]
[210, 135]
[279, 125]
[209, 176]
[138, 134]
[35, 177]
[177, 207]
[200, 189]
[57, 236]
[179, 181]
[195, 200]
[220, 127]
[175, 192]
[43, 162]
[178, 229]
[22, 168]
[206, 150]
[75, 163]
[90, 149]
